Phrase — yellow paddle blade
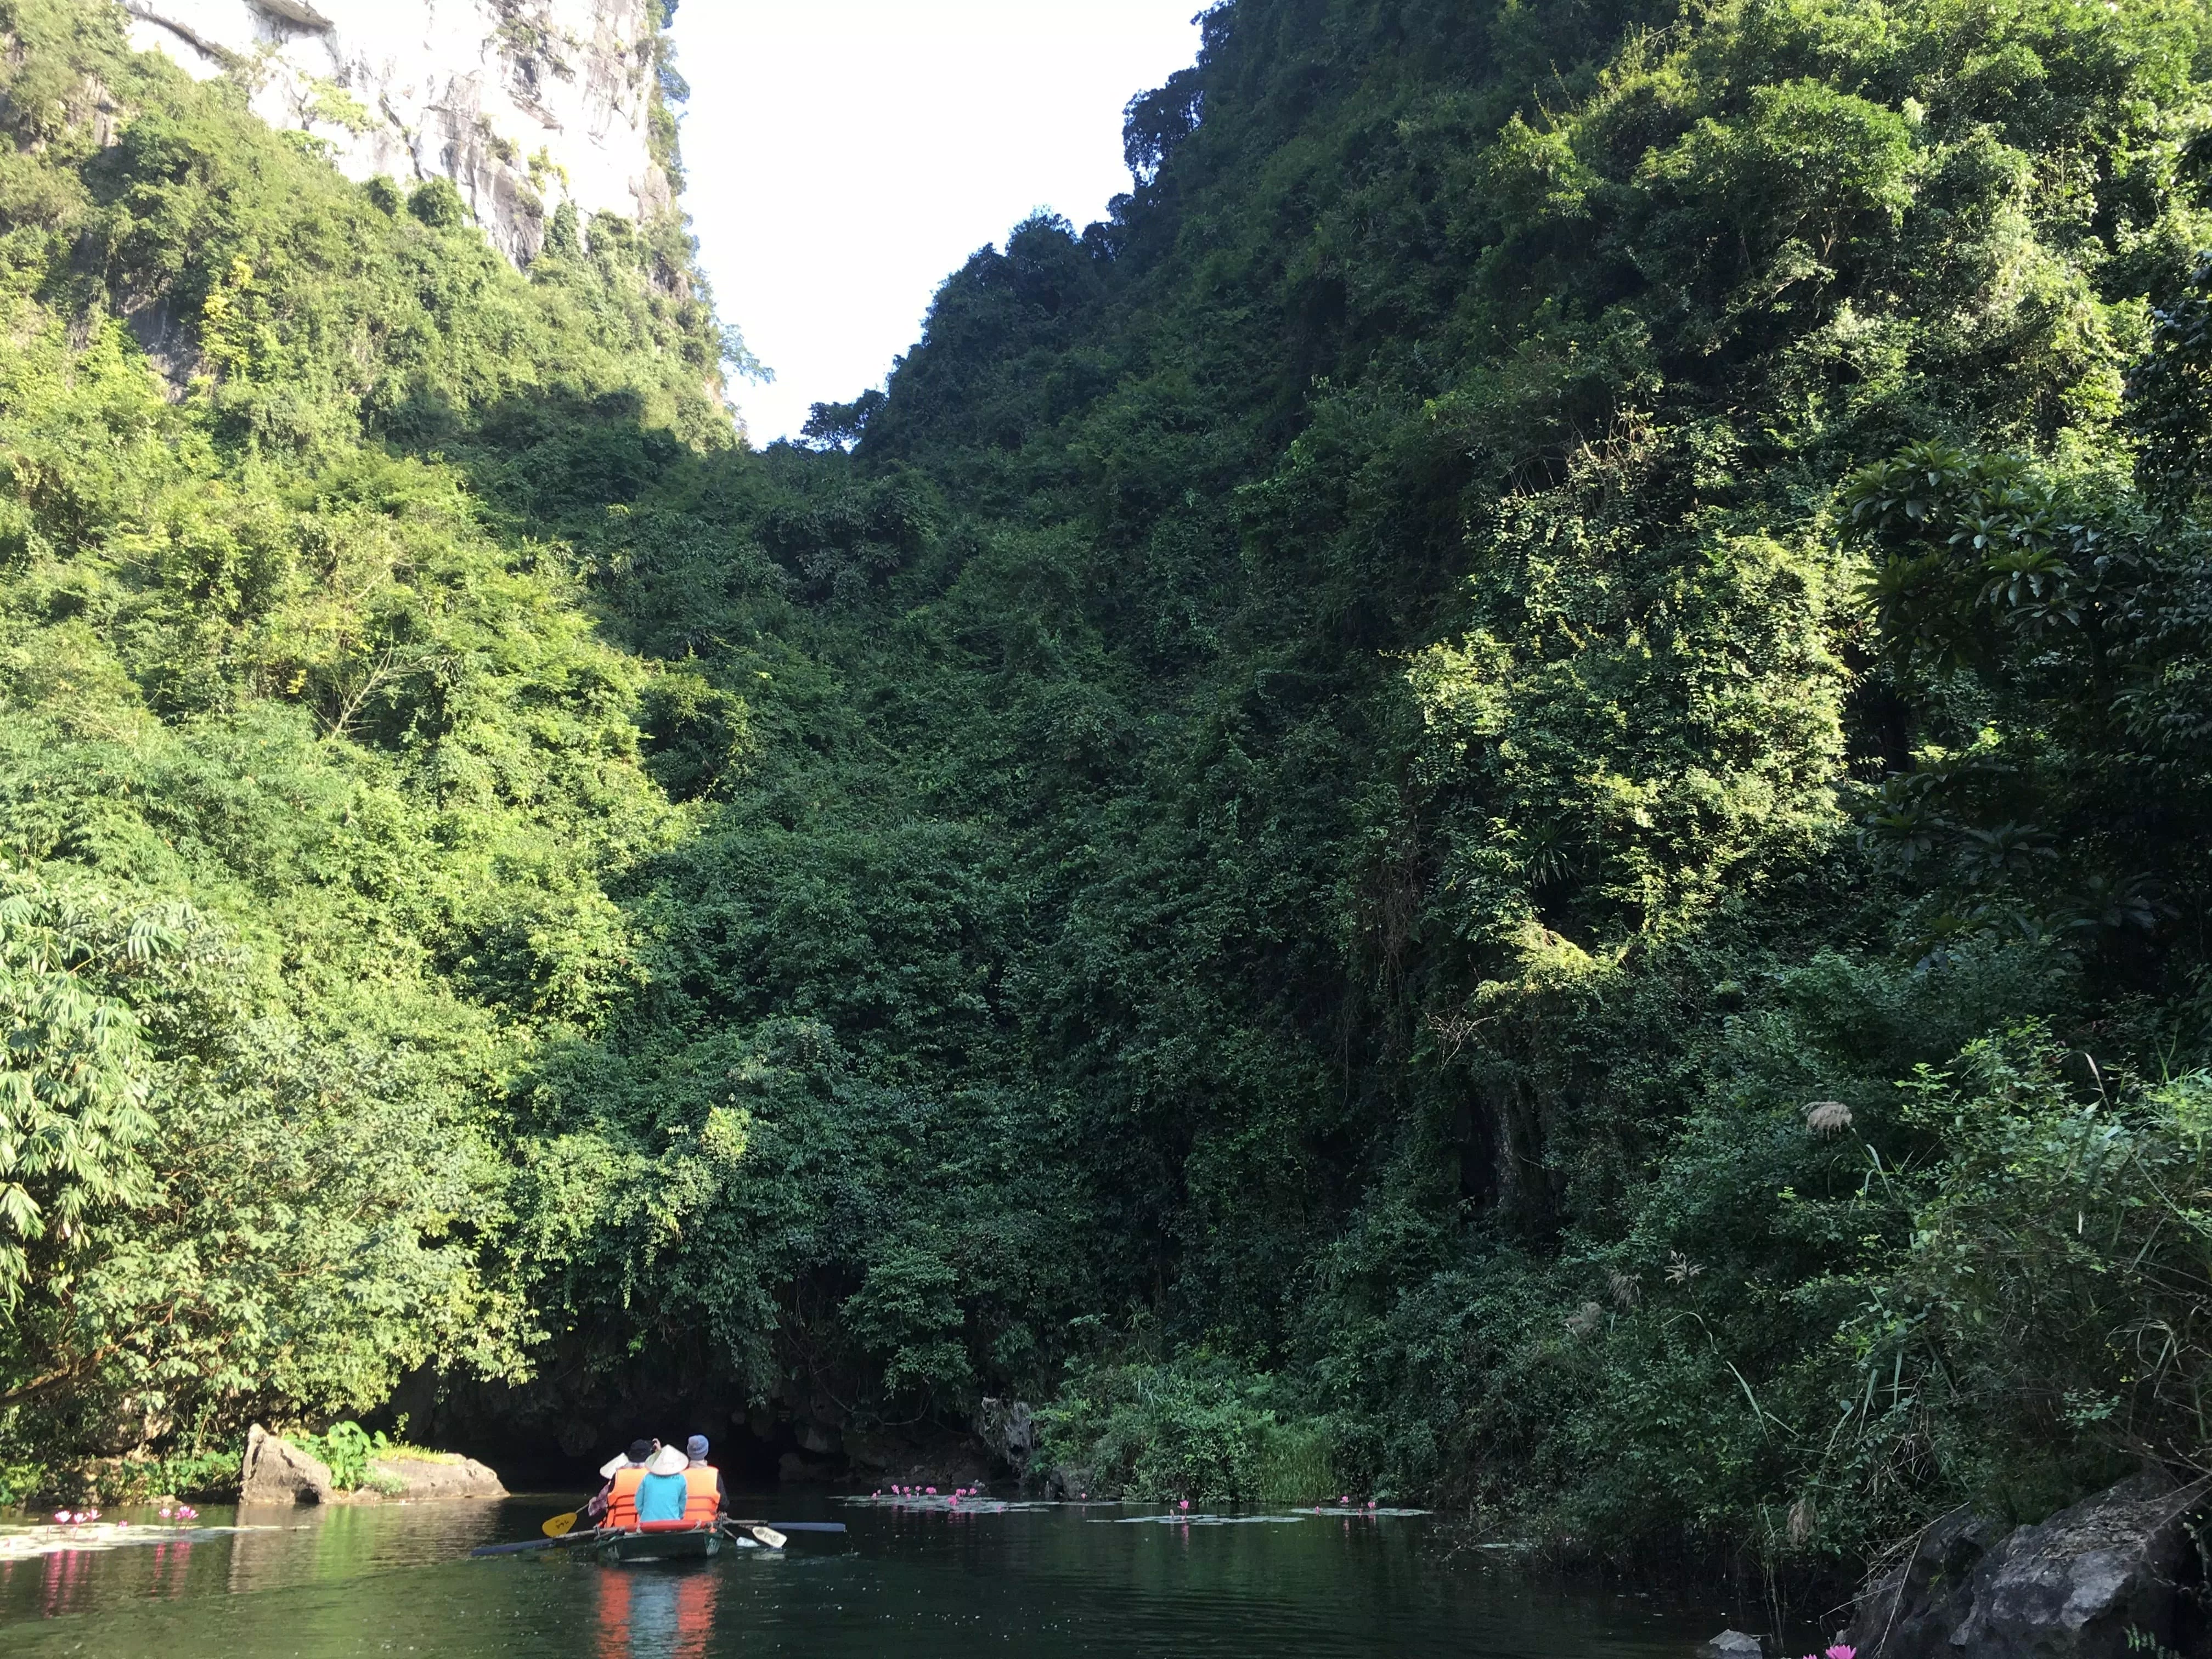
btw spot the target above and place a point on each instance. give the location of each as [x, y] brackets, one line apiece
[770, 1536]
[560, 1525]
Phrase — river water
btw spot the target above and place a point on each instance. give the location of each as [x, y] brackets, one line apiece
[1059, 1580]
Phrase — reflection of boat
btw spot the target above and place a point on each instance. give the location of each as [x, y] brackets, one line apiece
[661, 1543]
[655, 1615]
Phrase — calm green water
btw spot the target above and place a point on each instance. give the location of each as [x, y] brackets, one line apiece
[1062, 1581]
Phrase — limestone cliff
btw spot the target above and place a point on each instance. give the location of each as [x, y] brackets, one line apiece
[521, 103]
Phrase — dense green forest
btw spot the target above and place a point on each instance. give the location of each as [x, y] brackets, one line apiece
[1503, 800]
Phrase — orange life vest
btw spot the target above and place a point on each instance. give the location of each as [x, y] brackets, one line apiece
[621, 1502]
[702, 1500]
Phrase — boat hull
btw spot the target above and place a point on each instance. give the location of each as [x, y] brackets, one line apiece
[630, 1547]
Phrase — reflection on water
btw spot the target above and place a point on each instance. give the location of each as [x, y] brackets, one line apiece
[71, 1581]
[272, 1548]
[1059, 1581]
[656, 1615]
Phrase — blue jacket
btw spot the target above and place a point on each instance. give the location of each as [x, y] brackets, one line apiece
[661, 1498]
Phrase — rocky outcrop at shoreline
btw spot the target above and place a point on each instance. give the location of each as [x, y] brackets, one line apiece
[278, 1471]
[2108, 1577]
[423, 1481]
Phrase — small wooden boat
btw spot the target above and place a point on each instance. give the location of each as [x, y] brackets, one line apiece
[659, 1540]
[661, 1544]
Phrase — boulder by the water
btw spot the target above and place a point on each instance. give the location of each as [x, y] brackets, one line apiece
[1069, 1480]
[870, 1453]
[1008, 1429]
[1733, 1645]
[278, 1471]
[2089, 1582]
[423, 1480]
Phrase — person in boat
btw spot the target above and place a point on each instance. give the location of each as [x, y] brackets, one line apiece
[664, 1495]
[676, 1490]
[633, 1463]
[695, 1449]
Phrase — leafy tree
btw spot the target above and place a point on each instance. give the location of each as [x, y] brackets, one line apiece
[76, 1122]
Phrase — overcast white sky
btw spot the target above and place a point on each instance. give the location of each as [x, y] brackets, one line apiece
[845, 156]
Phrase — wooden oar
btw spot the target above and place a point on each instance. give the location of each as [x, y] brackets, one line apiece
[758, 1530]
[566, 1537]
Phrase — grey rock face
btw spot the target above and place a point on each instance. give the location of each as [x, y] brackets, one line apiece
[429, 1483]
[1914, 1608]
[1068, 1480]
[278, 1472]
[2073, 1587]
[1008, 1430]
[523, 104]
[870, 1452]
[1732, 1644]
[793, 1470]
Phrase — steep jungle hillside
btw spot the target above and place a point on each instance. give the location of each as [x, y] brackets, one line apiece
[1501, 800]
[312, 770]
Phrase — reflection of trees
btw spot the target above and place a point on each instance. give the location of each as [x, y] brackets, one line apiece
[336, 1543]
